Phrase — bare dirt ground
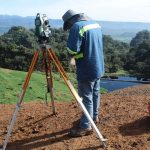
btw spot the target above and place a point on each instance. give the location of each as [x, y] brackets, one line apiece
[124, 121]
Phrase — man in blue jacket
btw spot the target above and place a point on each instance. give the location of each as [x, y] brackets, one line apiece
[86, 46]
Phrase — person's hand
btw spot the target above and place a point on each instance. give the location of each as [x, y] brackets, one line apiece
[72, 62]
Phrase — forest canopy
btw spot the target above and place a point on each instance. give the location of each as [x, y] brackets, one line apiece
[18, 45]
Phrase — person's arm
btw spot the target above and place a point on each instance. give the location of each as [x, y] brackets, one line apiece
[74, 42]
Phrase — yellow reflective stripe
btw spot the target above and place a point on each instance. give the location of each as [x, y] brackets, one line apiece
[88, 27]
[80, 55]
[71, 52]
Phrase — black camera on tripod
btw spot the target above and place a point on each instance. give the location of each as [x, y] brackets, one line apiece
[42, 28]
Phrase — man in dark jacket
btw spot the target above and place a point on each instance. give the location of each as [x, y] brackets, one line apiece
[86, 46]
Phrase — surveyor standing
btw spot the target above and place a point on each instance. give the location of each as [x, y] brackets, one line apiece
[86, 46]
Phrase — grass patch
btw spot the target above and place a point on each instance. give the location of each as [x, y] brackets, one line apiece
[118, 73]
[103, 91]
[11, 83]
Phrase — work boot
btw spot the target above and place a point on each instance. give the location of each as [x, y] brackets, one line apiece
[79, 132]
[96, 119]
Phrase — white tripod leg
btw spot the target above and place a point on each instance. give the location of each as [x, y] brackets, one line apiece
[79, 100]
[13, 121]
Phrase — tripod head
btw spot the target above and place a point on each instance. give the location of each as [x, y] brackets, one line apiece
[42, 28]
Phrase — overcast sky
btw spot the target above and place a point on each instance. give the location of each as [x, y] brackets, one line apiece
[108, 10]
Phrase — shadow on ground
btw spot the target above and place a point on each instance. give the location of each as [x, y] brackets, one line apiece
[137, 127]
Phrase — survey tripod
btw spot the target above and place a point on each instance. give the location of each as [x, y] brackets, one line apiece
[48, 57]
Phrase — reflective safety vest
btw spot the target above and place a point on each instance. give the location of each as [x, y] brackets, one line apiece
[85, 44]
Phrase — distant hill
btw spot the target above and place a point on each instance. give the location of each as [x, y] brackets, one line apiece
[123, 31]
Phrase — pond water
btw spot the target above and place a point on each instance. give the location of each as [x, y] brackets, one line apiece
[115, 85]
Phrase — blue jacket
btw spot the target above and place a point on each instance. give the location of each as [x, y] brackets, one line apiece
[85, 44]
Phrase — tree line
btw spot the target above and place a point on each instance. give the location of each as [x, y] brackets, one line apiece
[18, 45]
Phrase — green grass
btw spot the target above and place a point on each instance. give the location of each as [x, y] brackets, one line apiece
[118, 73]
[11, 83]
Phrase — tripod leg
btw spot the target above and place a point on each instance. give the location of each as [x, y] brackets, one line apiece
[58, 62]
[20, 99]
[76, 96]
[48, 71]
[50, 81]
